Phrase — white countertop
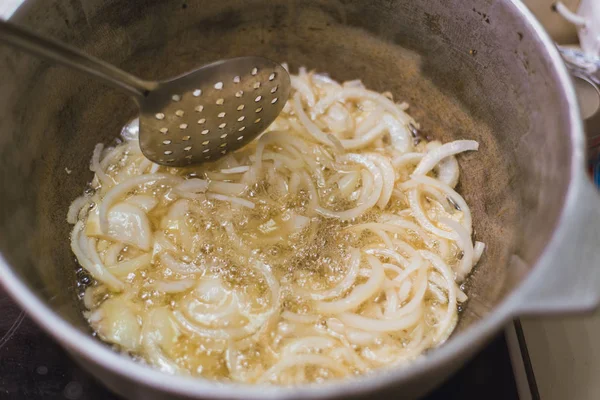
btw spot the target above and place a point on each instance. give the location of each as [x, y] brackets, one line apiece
[565, 356]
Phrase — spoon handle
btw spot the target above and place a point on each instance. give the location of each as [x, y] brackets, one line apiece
[61, 53]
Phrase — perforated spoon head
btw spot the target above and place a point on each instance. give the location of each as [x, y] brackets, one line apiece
[207, 113]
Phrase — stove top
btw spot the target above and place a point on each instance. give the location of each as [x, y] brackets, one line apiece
[34, 367]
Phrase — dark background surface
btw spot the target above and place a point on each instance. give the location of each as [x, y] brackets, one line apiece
[33, 366]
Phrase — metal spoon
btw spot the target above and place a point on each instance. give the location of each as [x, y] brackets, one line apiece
[191, 119]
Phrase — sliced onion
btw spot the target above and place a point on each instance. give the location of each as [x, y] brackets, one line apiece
[465, 244]
[419, 214]
[447, 171]
[371, 201]
[97, 168]
[344, 284]
[117, 323]
[347, 93]
[236, 170]
[310, 126]
[174, 286]
[126, 267]
[231, 199]
[179, 267]
[478, 251]
[433, 157]
[448, 191]
[388, 175]
[308, 344]
[302, 361]
[359, 294]
[75, 208]
[377, 325]
[367, 138]
[123, 188]
[445, 324]
[292, 176]
[407, 158]
[401, 138]
[303, 88]
[300, 318]
[144, 202]
[366, 124]
[193, 185]
[159, 331]
[227, 188]
[126, 223]
[93, 266]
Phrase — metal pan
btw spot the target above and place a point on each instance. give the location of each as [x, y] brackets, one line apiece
[482, 70]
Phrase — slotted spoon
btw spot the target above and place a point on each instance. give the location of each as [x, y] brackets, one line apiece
[194, 118]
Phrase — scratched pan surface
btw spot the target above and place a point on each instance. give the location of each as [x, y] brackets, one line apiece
[471, 71]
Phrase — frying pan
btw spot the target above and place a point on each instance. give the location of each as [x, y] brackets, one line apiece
[478, 69]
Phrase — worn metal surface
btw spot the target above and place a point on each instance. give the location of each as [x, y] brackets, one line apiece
[480, 70]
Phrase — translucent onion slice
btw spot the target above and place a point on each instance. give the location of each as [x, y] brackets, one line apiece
[448, 191]
[378, 325]
[433, 157]
[344, 284]
[359, 294]
[300, 361]
[123, 188]
[466, 246]
[446, 324]
[124, 268]
[81, 249]
[372, 199]
[116, 322]
[126, 223]
[160, 333]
